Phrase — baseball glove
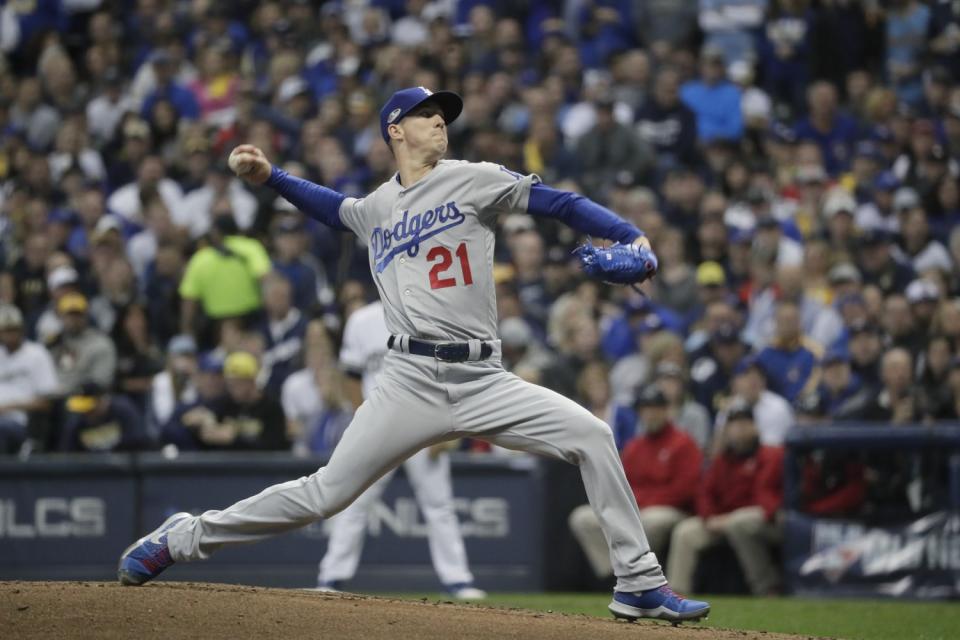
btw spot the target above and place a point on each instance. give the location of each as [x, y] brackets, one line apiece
[617, 264]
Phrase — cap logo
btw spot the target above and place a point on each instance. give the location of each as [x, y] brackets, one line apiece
[426, 91]
[393, 115]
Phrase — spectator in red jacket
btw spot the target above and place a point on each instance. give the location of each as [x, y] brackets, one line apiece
[663, 468]
[833, 481]
[737, 503]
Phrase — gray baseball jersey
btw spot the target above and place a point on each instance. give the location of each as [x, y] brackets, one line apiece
[430, 246]
[431, 254]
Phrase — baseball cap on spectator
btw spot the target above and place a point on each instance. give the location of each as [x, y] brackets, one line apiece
[637, 304]
[811, 174]
[136, 128]
[838, 200]
[182, 345]
[921, 290]
[60, 216]
[843, 273]
[739, 409]
[241, 364]
[726, 334]
[782, 133]
[503, 273]
[859, 327]
[161, 56]
[291, 88]
[288, 224]
[210, 362]
[835, 356]
[905, 198]
[72, 303]
[85, 400]
[404, 101]
[886, 181]
[739, 235]
[105, 225]
[936, 154]
[868, 149]
[710, 274]
[651, 324]
[882, 134]
[61, 277]
[515, 332]
[811, 404]
[711, 51]
[668, 369]
[650, 396]
[10, 317]
[749, 363]
[757, 105]
[516, 222]
[874, 237]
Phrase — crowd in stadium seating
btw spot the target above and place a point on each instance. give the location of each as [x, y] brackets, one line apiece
[795, 164]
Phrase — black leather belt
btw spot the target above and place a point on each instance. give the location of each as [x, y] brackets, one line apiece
[444, 351]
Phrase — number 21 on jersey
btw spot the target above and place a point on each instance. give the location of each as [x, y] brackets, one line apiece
[443, 260]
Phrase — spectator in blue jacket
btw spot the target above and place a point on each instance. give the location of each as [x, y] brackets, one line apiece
[714, 100]
[167, 88]
[834, 132]
[790, 365]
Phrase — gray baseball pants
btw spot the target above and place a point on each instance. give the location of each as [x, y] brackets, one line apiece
[420, 401]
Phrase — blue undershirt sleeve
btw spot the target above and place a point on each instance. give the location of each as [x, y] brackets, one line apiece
[318, 202]
[581, 213]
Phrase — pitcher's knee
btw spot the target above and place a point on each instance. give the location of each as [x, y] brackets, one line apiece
[594, 435]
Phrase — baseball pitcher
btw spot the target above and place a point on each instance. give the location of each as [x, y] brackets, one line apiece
[430, 237]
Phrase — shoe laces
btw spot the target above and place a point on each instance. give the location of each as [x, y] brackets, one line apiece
[669, 592]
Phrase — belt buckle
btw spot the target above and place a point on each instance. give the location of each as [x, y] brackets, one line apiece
[441, 353]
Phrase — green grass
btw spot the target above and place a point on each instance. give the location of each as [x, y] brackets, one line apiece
[834, 618]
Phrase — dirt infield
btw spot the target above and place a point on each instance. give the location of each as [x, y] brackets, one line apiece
[189, 610]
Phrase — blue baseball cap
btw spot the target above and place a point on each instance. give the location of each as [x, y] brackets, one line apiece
[404, 101]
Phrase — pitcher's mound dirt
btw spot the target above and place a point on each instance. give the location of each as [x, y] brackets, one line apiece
[189, 610]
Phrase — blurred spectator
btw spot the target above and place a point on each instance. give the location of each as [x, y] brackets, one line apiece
[175, 384]
[222, 194]
[185, 429]
[833, 482]
[685, 412]
[737, 503]
[97, 421]
[713, 365]
[128, 200]
[306, 274]
[790, 365]
[907, 25]
[898, 401]
[318, 401]
[666, 124]
[594, 393]
[283, 329]
[773, 415]
[28, 380]
[24, 283]
[831, 130]
[714, 100]
[83, 354]
[662, 465]
[866, 347]
[611, 151]
[165, 86]
[840, 390]
[878, 264]
[223, 279]
[731, 26]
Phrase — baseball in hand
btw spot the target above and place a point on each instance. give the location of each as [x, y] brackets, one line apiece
[249, 163]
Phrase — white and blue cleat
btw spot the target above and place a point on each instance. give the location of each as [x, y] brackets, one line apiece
[146, 558]
[658, 604]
